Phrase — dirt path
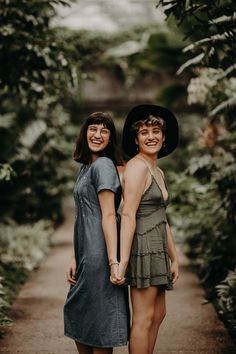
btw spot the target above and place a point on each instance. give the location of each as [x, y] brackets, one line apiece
[189, 328]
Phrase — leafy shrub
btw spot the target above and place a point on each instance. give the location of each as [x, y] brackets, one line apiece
[226, 299]
[210, 231]
[24, 245]
[22, 248]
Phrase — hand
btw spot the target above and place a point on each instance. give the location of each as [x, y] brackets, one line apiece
[114, 269]
[121, 273]
[70, 274]
[174, 271]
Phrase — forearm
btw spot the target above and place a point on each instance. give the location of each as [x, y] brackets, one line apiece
[171, 245]
[128, 225]
[110, 234]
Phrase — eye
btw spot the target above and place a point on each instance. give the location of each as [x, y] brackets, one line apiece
[156, 131]
[143, 132]
[92, 129]
[104, 131]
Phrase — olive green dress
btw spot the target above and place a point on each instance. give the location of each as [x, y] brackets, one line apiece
[149, 262]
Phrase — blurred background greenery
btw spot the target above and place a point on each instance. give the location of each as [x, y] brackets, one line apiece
[53, 75]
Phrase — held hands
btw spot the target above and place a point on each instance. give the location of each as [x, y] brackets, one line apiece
[117, 270]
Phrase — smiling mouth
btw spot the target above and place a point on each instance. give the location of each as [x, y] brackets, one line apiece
[96, 142]
[152, 144]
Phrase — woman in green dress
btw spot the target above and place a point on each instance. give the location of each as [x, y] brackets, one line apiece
[149, 262]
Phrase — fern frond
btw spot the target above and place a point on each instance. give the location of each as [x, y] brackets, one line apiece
[169, 5]
[231, 102]
[227, 71]
[215, 38]
[191, 61]
[223, 19]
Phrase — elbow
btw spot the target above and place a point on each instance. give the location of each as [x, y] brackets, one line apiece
[108, 216]
[128, 217]
[128, 214]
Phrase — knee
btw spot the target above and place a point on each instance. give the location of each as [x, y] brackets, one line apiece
[145, 321]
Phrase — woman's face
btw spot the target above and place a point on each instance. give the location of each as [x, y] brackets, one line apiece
[98, 138]
[149, 139]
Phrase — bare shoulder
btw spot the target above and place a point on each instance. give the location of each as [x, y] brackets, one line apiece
[135, 167]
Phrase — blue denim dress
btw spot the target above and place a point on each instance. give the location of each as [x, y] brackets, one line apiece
[96, 312]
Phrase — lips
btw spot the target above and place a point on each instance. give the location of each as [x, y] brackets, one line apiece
[152, 144]
[96, 142]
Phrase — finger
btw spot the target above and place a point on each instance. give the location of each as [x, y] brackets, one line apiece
[70, 278]
[73, 272]
[175, 277]
[113, 280]
[121, 281]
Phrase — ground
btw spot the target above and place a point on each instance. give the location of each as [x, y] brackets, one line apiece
[190, 327]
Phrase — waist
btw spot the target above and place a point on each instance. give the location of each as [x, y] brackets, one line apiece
[149, 210]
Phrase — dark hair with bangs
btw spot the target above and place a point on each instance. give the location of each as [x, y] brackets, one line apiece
[149, 121]
[82, 153]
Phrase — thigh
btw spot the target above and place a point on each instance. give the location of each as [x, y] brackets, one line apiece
[160, 307]
[160, 303]
[144, 301]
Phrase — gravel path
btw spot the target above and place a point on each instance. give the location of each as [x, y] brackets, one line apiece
[189, 328]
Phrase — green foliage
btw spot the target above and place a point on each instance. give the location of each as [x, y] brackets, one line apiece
[24, 245]
[173, 96]
[212, 28]
[209, 181]
[226, 292]
[35, 76]
[226, 300]
[35, 137]
[30, 56]
[150, 50]
[6, 173]
[22, 248]
[210, 25]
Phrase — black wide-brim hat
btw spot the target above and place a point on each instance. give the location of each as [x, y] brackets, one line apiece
[141, 112]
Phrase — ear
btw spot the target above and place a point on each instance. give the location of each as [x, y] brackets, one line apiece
[136, 141]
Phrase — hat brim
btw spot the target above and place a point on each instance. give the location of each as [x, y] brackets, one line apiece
[141, 112]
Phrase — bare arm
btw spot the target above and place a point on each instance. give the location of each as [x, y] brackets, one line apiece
[172, 254]
[135, 180]
[107, 204]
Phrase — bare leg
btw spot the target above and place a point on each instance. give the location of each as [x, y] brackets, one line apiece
[102, 350]
[143, 304]
[84, 349]
[159, 315]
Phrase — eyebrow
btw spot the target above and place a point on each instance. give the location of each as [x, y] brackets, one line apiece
[154, 128]
[97, 125]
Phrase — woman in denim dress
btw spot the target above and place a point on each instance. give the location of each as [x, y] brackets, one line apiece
[96, 313]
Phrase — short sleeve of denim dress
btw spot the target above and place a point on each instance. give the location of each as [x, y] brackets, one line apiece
[96, 312]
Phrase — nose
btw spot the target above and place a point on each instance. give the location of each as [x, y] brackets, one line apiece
[150, 135]
[98, 133]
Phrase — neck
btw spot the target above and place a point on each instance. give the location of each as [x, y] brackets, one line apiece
[94, 157]
[151, 159]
